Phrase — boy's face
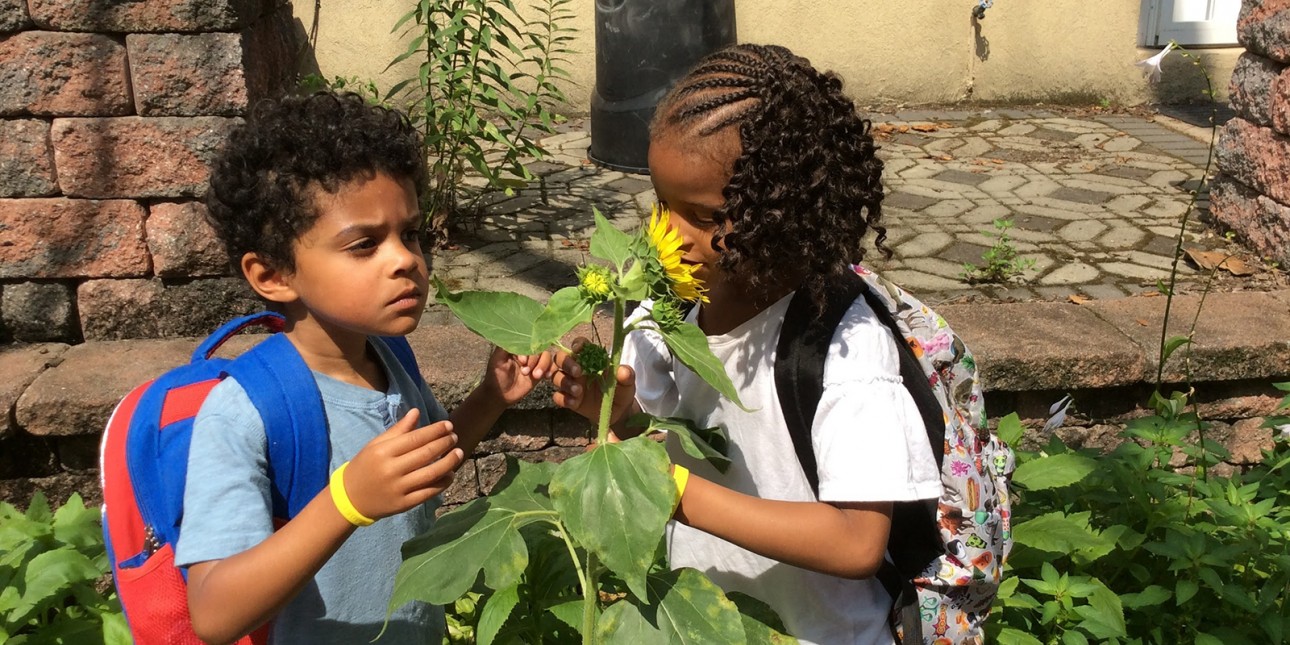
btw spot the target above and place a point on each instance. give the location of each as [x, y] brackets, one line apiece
[360, 268]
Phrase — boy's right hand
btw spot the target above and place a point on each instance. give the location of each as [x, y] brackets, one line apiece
[403, 467]
[573, 390]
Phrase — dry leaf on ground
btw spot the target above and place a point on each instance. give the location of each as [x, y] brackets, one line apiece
[1208, 260]
[1078, 299]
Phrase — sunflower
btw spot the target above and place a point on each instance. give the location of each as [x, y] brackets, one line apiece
[666, 244]
[595, 283]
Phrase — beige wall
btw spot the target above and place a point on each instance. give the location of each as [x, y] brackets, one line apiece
[925, 51]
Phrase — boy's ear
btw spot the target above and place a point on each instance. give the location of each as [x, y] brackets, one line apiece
[271, 283]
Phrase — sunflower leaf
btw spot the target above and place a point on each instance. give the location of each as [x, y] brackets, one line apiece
[689, 345]
[609, 243]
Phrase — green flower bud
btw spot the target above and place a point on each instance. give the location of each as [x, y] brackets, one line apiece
[593, 359]
[595, 283]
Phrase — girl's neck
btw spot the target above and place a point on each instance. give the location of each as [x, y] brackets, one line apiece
[729, 307]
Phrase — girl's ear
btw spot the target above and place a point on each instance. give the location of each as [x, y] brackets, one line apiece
[271, 283]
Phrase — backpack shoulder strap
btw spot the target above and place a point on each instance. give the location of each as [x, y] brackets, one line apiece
[800, 354]
[284, 392]
[402, 350]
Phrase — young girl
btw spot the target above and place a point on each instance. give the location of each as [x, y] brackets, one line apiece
[772, 183]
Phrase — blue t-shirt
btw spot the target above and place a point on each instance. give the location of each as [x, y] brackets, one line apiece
[229, 510]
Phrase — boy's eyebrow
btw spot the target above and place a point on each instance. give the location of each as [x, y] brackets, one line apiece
[410, 220]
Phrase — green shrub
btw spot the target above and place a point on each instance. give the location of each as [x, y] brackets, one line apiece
[1123, 548]
[54, 576]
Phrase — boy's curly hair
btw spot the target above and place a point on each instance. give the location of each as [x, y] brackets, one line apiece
[806, 186]
[264, 181]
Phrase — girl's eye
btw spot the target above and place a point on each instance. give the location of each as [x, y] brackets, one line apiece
[411, 235]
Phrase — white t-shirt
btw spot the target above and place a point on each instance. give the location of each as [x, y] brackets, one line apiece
[870, 445]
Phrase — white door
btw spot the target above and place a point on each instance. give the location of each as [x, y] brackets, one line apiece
[1190, 22]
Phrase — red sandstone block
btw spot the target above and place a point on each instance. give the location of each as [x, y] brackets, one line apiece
[71, 238]
[1279, 102]
[119, 309]
[182, 243]
[26, 159]
[136, 156]
[1261, 223]
[1257, 157]
[215, 74]
[1264, 27]
[13, 15]
[57, 74]
[144, 15]
[1251, 87]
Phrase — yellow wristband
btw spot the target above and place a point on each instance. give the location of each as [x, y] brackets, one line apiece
[681, 475]
[341, 499]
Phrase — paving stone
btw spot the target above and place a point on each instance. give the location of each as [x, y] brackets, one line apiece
[907, 201]
[1134, 271]
[960, 177]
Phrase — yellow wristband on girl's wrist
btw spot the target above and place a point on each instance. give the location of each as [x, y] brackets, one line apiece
[680, 475]
[341, 499]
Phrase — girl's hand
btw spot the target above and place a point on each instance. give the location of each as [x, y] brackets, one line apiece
[403, 467]
[512, 377]
[573, 390]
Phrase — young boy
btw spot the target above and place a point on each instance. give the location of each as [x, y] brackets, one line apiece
[315, 200]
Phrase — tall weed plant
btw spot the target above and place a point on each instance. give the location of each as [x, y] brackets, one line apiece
[1132, 546]
[487, 86]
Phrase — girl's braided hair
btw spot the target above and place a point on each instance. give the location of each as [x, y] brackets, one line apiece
[806, 186]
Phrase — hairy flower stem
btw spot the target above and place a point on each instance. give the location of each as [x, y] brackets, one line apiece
[609, 380]
[590, 598]
[1182, 229]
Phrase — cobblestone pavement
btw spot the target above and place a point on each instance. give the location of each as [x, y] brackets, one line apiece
[1096, 203]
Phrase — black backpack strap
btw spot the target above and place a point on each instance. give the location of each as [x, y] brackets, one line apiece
[801, 352]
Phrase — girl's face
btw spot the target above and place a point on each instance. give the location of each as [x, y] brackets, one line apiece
[689, 183]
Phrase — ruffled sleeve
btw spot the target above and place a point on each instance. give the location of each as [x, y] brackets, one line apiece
[869, 439]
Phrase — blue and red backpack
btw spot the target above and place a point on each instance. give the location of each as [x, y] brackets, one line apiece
[145, 464]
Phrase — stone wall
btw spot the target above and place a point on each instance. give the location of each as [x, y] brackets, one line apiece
[110, 113]
[1251, 194]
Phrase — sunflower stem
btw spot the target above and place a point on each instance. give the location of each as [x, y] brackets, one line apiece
[609, 380]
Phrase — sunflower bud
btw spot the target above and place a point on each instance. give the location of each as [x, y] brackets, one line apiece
[595, 283]
[667, 314]
[593, 359]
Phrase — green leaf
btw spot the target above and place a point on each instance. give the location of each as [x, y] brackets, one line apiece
[1149, 597]
[569, 613]
[1010, 429]
[496, 611]
[683, 607]
[49, 576]
[442, 564]
[596, 492]
[504, 319]
[1057, 533]
[1013, 636]
[1103, 615]
[115, 629]
[38, 509]
[761, 623]
[1172, 346]
[609, 243]
[78, 526]
[1054, 471]
[1072, 637]
[1184, 590]
[709, 444]
[565, 310]
[689, 345]
[1205, 639]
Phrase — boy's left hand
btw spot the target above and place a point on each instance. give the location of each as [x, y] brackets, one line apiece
[512, 377]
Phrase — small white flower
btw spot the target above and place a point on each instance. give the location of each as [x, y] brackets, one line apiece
[1151, 66]
[1057, 413]
[1285, 431]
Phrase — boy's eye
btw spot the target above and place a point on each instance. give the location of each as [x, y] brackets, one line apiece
[411, 235]
[365, 244]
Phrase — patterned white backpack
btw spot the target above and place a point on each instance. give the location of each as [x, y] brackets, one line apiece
[947, 555]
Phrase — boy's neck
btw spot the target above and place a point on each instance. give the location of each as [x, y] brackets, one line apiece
[346, 357]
